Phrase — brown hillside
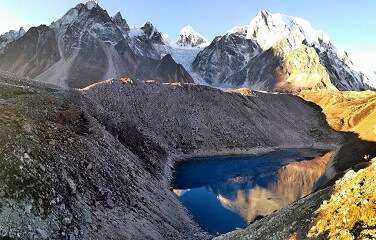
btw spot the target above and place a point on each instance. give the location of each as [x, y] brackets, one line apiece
[347, 111]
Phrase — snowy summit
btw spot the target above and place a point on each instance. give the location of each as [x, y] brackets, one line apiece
[267, 28]
[91, 4]
[190, 38]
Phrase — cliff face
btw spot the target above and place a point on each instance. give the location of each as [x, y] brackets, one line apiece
[31, 54]
[288, 66]
[94, 163]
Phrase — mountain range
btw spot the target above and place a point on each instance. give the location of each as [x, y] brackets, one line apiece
[275, 52]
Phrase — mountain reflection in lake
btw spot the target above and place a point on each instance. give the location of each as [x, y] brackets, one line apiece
[224, 193]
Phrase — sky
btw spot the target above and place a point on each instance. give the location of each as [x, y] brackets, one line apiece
[350, 24]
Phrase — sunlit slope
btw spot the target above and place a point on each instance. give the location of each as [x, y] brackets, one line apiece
[347, 111]
[350, 212]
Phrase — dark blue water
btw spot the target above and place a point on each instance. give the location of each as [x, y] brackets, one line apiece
[225, 193]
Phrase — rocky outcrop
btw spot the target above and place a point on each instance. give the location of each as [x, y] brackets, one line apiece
[152, 33]
[94, 163]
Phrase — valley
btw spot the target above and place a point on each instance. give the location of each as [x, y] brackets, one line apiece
[113, 131]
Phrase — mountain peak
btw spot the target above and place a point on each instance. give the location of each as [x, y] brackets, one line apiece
[268, 28]
[152, 33]
[120, 22]
[118, 16]
[11, 36]
[190, 38]
[90, 4]
[187, 29]
[263, 14]
[168, 59]
[86, 16]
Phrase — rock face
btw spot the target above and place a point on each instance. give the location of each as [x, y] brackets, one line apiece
[288, 66]
[167, 70]
[94, 163]
[31, 54]
[10, 36]
[264, 34]
[190, 38]
[121, 23]
[152, 33]
[85, 46]
[223, 57]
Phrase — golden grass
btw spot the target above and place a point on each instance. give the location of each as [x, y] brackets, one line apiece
[347, 111]
[243, 91]
[351, 211]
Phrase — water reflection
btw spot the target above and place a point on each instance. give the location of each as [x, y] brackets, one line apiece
[225, 193]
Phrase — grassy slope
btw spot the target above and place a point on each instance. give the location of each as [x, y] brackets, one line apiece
[351, 211]
[347, 111]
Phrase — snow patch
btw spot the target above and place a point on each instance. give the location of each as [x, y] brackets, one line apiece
[91, 4]
[135, 32]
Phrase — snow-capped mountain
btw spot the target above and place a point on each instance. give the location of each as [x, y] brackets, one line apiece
[86, 45]
[190, 38]
[267, 29]
[10, 36]
[269, 50]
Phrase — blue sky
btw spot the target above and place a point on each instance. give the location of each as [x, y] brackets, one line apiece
[350, 24]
